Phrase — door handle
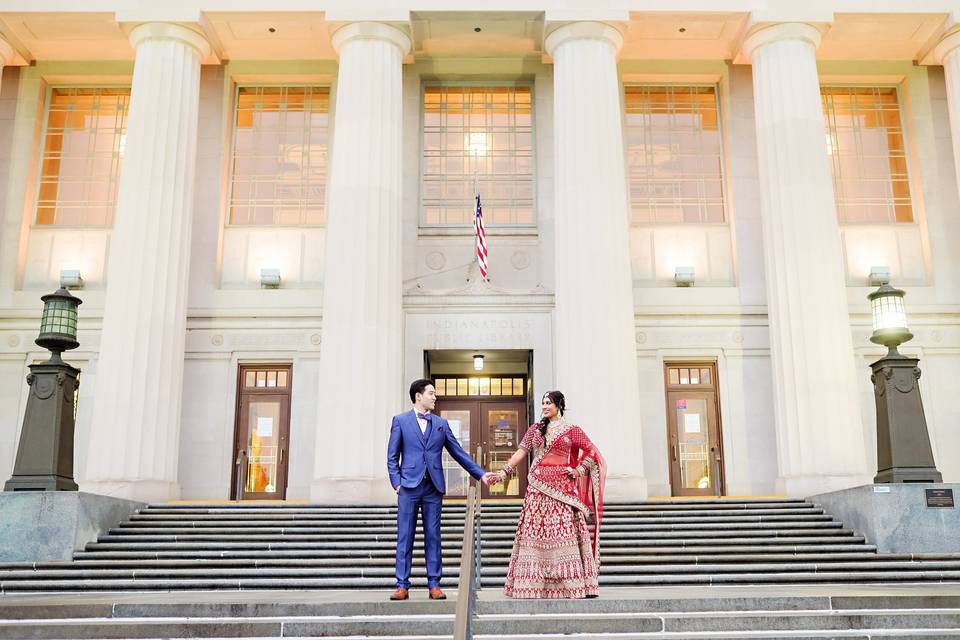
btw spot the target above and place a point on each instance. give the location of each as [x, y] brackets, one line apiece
[674, 448]
[281, 456]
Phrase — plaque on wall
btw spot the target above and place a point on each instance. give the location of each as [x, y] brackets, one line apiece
[940, 498]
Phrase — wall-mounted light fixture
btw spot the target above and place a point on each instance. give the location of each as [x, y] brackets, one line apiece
[478, 362]
[879, 275]
[70, 279]
[270, 278]
[684, 276]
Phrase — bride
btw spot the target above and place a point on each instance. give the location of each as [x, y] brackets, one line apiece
[555, 554]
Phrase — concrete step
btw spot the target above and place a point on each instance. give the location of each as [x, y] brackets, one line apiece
[796, 616]
[390, 543]
[504, 551]
[705, 515]
[353, 570]
[387, 559]
[730, 621]
[390, 534]
[488, 530]
[385, 582]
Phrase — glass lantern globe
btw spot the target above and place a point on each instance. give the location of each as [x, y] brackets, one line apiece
[58, 325]
[478, 362]
[889, 317]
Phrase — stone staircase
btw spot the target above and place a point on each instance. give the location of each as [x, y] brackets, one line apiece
[171, 547]
[685, 613]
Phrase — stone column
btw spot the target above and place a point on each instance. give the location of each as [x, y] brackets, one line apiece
[361, 385]
[947, 53]
[595, 332]
[820, 445]
[134, 439]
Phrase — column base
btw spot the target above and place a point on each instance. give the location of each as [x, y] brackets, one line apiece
[137, 490]
[625, 488]
[808, 485]
[359, 491]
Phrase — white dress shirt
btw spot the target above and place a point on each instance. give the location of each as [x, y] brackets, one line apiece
[421, 422]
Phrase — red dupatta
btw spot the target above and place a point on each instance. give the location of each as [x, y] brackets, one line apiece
[589, 488]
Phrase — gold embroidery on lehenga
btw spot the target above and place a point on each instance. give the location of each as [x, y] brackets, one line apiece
[553, 554]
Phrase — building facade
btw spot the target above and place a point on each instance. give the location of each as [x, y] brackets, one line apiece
[268, 210]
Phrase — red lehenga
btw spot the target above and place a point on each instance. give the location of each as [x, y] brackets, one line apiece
[555, 554]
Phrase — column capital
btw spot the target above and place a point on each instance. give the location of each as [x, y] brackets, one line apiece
[170, 31]
[948, 44]
[765, 33]
[583, 30]
[371, 31]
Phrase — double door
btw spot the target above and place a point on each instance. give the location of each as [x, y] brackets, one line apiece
[497, 427]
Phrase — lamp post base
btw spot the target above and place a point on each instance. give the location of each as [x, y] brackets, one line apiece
[908, 474]
[40, 483]
[903, 443]
[45, 453]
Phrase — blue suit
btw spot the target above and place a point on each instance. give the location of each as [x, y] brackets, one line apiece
[415, 464]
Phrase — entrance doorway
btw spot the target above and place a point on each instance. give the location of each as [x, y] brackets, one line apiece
[487, 407]
[494, 424]
[693, 429]
[262, 432]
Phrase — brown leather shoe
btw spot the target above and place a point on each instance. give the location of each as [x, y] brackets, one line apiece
[437, 594]
[400, 594]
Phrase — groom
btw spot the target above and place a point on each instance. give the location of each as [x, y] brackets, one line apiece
[414, 462]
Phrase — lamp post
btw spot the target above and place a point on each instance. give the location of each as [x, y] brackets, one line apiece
[45, 453]
[903, 444]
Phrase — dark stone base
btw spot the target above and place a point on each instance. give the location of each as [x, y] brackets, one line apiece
[909, 474]
[40, 483]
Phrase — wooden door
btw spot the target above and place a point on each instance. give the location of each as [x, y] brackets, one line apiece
[693, 429]
[262, 433]
[502, 426]
[497, 427]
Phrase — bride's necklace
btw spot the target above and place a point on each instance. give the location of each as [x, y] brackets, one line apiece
[553, 427]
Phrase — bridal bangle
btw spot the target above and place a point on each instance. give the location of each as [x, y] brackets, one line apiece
[505, 471]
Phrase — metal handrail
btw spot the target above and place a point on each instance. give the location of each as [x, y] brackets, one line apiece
[715, 464]
[469, 581]
[241, 465]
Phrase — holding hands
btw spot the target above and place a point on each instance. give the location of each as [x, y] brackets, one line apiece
[490, 478]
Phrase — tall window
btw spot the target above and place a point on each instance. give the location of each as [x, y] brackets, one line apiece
[867, 154]
[82, 150]
[480, 135]
[279, 168]
[674, 154]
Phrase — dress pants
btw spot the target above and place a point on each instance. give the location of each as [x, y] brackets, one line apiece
[425, 499]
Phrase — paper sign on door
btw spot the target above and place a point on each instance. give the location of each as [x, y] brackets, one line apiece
[691, 423]
[265, 426]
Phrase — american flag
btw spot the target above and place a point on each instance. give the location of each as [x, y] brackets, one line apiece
[481, 239]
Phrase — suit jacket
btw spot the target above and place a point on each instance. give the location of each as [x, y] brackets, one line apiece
[411, 454]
